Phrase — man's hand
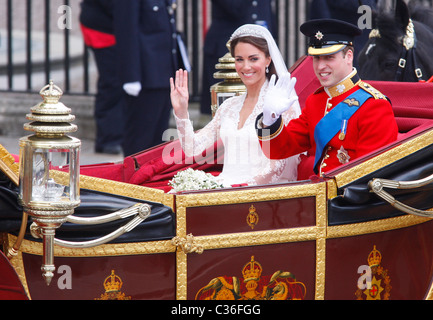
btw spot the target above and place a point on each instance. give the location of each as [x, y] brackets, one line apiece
[279, 98]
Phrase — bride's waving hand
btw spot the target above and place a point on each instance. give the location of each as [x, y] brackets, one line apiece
[179, 94]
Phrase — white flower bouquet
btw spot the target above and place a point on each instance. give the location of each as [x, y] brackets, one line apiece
[191, 179]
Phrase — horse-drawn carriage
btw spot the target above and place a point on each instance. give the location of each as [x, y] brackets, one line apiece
[340, 236]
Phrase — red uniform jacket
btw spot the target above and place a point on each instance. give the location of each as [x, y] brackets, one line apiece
[372, 126]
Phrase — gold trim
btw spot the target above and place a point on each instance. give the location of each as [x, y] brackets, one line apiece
[321, 222]
[115, 249]
[384, 159]
[325, 50]
[429, 295]
[332, 189]
[8, 165]
[372, 90]
[343, 86]
[181, 275]
[181, 257]
[286, 191]
[271, 135]
[258, 238]
[320, 268]
[119, 188]
[357, 229]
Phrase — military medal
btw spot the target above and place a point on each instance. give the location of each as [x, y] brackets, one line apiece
[342, 134]
[343, 155]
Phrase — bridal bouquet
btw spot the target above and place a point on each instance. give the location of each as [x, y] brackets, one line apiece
[191, 179]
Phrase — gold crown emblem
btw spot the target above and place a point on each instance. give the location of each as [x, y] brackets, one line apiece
[374, 258]
[112, 282]
[252, 270]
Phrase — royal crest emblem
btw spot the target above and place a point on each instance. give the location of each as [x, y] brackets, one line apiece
[378, 288]
[253, 217]
[319, 35]
[255, 286]
[112, 285]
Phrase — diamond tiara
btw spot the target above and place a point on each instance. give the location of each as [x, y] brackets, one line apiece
[249, 30]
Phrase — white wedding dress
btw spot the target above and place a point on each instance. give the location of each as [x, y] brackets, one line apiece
[244, 161]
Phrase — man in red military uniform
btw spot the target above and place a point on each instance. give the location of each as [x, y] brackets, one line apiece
[343, 120]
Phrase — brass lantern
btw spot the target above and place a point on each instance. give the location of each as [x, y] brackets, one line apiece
[231, 84]
[47, 151]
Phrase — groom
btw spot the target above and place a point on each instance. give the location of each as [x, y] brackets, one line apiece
[343, 120]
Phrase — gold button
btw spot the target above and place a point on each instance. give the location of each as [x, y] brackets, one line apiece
[324, 165]
[329, 105]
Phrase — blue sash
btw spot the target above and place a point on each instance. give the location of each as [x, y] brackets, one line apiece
[331, 123]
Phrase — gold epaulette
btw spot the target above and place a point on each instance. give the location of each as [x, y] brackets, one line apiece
[373, 91]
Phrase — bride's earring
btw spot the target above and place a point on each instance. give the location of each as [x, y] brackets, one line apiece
[267, 69]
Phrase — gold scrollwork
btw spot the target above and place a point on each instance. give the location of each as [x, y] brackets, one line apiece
[187, 245]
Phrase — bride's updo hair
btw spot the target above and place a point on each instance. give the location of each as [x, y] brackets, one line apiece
[260, 44]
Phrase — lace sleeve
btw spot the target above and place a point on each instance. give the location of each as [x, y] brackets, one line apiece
[277, 171]
[194, 143]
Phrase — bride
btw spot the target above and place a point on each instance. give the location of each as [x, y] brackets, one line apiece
[258, 63]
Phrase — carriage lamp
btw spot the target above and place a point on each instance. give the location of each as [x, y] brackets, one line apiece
[47, 151]
[231, 84]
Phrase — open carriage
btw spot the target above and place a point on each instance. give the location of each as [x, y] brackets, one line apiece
[341, 236]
